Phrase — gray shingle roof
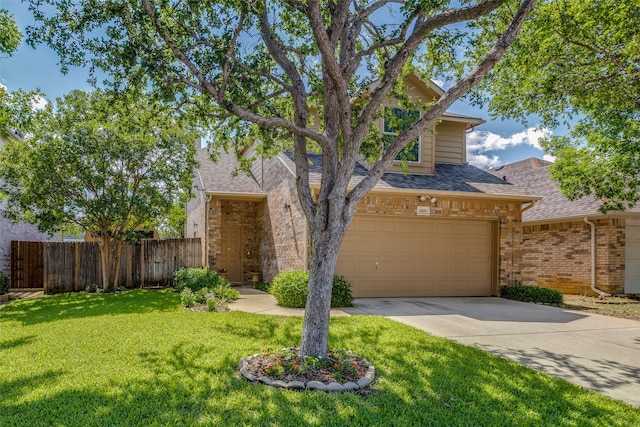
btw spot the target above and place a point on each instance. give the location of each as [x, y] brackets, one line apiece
[218, 177]
[533, 175]
[458, 178]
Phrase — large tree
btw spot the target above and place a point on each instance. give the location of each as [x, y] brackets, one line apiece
[292, 73]
[578, 62]
[17, 105]
[10, 36]
[107, 164]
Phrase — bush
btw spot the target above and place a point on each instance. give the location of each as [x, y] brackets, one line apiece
[217, 304]
[290, 290]
[341, 292]
[187, 297]
[196, 279]
[93, 288]
[225, 291]
[263, 286]
[5, 283]
[519, 292]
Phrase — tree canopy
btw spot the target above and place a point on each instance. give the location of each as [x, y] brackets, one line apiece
[10, 36]
[292, 74]
[578, 62]
[108, 164]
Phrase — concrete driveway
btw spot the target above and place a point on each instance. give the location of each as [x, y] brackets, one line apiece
[601, 353]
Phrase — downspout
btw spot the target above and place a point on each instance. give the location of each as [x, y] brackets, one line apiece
[531, 204]
[600, 293]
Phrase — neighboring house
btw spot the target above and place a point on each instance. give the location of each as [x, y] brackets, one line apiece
[444, 229]
[557, 240]
[20, 231]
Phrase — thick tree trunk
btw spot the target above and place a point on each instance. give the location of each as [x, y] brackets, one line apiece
[315, 330]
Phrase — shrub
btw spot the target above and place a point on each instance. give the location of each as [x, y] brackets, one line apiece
[187, 297]
[195, 279]
[217, 304]
[341, 292]
[290, 290]
[4, 283]
[225, 291]
[262, 286]
[520, 292]
[93, 288]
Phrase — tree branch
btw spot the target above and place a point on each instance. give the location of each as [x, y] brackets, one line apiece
[449, 97]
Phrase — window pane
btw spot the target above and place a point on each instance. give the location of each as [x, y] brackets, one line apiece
[395, 121]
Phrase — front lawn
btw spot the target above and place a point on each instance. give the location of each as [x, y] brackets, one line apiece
[138, 358]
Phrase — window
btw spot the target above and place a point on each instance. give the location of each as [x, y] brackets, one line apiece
[395, 121]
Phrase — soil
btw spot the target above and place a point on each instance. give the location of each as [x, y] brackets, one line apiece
[624, 307]
[295, 368]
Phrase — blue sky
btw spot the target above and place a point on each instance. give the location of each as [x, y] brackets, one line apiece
[491, 144]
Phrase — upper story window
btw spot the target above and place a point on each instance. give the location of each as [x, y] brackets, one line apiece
[395, 121]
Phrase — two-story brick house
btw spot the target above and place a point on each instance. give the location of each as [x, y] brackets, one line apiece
[445, 228]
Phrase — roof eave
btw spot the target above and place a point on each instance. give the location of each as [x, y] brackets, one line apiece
[422, 191]
[232, 195]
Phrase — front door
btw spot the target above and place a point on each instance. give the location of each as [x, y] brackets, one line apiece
[231, 257]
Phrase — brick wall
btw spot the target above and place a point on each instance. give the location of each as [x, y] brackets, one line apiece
[558, 256]
[507, 214]
[283, 229]
[244, 214]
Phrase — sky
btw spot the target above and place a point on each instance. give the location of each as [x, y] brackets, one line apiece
[491, 144]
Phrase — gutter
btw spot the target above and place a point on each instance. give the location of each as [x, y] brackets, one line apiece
[531, 204]
[600, 293]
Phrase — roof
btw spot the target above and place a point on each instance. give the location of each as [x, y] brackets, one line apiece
[219, 177]
[448, 178]
[533, 175]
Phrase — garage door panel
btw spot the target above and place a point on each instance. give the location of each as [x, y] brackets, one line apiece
[632, 257]
[417, 257]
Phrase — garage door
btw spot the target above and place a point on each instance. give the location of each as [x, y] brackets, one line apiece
[384, 256]
[632, 257]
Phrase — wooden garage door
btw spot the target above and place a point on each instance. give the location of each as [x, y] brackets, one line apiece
[385, 256]
[632, 257]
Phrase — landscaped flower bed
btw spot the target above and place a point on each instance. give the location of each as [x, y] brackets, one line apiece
[341, 370]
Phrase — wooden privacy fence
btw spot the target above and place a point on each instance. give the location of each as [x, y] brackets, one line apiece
[71, 266]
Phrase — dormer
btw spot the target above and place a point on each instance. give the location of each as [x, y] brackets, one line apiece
[443, 143]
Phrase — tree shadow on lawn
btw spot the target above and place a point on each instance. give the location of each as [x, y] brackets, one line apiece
[421, 380]
[17, 342]
[80, 305]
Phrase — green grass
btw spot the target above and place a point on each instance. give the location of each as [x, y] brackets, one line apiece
[138, 358]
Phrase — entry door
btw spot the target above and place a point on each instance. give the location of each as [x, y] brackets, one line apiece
[231, 257]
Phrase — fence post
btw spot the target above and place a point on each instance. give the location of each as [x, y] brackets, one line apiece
[76, 272]
[45, 267]
[142, 263]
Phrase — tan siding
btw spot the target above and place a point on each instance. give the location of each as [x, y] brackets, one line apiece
[450, 143]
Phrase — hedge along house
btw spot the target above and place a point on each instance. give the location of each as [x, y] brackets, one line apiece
[445, 228]
[570, 245]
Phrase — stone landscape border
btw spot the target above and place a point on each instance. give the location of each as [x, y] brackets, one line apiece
[363, 382]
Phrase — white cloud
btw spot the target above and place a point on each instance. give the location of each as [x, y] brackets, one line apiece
[483, 161]
[3, 86]
[480, 143]
[38, 102]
